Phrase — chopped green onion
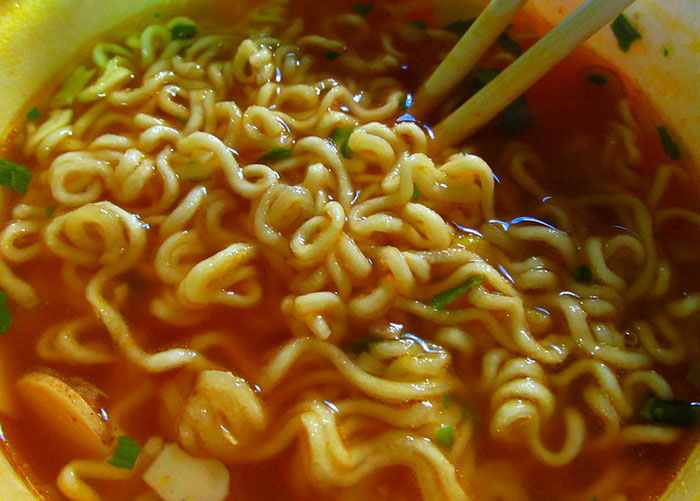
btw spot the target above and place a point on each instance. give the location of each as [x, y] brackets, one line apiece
[73, 86]
[517, 116]
[126, 453]
[583, 274]
[340, 136]
[666, 51]
[182, 120]
[693, 376]
[420, 24]
[362, 344]
[483, 76]
[450, 295]
[671, 412]
[460, 26]
[14, 176]
[625, 33]
[49, 211]
[467, 413]
[406, 102]
[362, 9]
[669, 145]
[597, 79]
[508, 44]
[183, 31]
[33, 115]
[194, 172]
[445, 401]
[331, 54]
[445, 436]
[157, 14]
[416, 193]
[5, 313]
[276, 154]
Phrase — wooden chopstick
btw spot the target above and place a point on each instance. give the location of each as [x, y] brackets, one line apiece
[526, 70]
[465, 54]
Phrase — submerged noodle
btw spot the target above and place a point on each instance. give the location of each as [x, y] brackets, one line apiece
[166, 170]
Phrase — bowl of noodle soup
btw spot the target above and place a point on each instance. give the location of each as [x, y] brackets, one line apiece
[232, 267]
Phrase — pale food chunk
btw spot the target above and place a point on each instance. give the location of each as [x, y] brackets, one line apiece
[177, 476]
[67, 410]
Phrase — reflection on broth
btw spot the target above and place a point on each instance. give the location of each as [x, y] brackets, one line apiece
[239, 272]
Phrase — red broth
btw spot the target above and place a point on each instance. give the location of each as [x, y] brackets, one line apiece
[571, 114]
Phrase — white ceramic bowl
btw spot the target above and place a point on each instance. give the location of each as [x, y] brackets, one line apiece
[38, 37]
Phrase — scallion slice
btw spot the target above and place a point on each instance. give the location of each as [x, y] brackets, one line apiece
[445, 401]
[445, 436]
[5, 313]
[14, 176]
[669, 145]
[420, 24]
[583, 274]
[450, 295]
[73, 86]
[671, 412]
[126, 453]
[340, 136]
[363, 9]
[183, 31]
[33, 115]
[362, 344]
[460, 26]
[276, 154]
[625, 33]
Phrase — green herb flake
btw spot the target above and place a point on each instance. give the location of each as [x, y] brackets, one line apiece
[671, 412]
[406, 102]
[597, 79]
[509, 45]
[49, 211]
[667, 51]
[467, 413]
[669, 145]
[341, 136]
[362, 344]
[331, 54]
[73, 86]
[450, 295]
[583, 274]
[625, 33]
[182, 120]
[445, 436]
[5, 313]
[276, 154]
[362, 9]
[126, 453]
[416, 193]
[420, 24]
[445, 401]
[194, 172]
[515, 118]
[460, 26]
[157, 14]
[33, 115]
[14, 176]
[693, 376]
[183, 31]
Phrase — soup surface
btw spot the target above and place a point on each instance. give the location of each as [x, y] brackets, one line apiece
[239, 271]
